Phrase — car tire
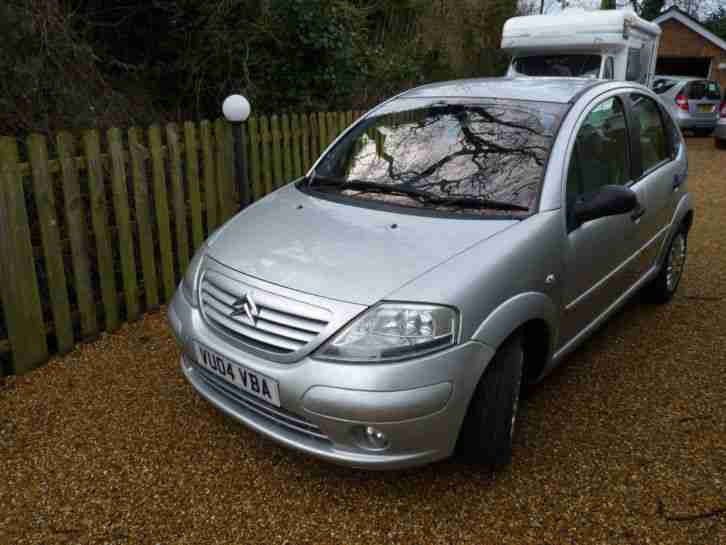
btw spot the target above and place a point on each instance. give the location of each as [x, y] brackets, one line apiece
[664, 286]
[488, 429]
[702, 132]
[720, 144]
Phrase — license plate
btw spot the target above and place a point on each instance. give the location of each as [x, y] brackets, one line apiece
[245, 379]
[705, 108]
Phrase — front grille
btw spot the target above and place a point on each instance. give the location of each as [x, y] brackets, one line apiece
[282, 325]
[282, 417]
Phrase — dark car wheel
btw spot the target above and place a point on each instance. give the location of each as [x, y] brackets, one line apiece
[488, 429]
[664, 286]
[720, 144]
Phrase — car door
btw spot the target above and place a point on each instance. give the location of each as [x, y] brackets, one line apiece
[596, 251]
[659, 178]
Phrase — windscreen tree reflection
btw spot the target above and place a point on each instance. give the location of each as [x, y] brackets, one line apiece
[484, 151]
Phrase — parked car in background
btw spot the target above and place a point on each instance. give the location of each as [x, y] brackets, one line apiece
[451, 246]
[720, 131]
[693, 102]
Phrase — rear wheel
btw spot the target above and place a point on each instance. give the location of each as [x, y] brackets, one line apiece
[488, 429]
[721, 143]
[664, 286]
[702, 132]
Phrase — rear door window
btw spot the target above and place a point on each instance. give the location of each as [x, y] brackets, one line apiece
[651, 132]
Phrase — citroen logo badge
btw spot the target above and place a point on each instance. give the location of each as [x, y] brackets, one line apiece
[245, 306]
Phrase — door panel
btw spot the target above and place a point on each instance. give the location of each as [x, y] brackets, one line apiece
[597, 252]
[595, 270]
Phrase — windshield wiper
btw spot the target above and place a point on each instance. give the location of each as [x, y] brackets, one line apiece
[475, 202]
[424, 196]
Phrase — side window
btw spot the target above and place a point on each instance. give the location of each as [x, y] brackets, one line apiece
[601, 154]
[608, 71]
[653, 137]
[632, 72]
[674, 134]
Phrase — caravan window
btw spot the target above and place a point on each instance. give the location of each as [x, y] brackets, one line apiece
[633, 71]
[639, 59]
[569, 66]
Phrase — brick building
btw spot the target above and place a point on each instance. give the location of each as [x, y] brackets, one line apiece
[687, 48]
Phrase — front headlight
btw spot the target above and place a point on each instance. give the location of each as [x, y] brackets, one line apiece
[191, 277]
[394, 331]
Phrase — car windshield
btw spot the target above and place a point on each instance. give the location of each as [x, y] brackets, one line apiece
[480, 157]
[571, 66]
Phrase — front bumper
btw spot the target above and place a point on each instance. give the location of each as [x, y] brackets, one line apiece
[418, 404]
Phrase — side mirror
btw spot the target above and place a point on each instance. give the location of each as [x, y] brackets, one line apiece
[609, 200]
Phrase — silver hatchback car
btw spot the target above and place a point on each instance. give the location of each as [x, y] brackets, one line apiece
[448, 249]
[694, 103]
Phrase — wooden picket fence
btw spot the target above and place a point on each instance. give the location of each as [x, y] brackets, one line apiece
[96, 229]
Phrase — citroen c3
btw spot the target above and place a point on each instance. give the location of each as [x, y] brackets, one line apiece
[449, 248]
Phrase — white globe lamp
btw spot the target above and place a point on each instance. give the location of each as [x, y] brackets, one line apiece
[236, 108]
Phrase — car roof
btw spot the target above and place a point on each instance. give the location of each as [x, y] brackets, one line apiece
[542, 89]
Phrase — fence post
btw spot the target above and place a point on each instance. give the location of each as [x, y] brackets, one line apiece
[209, 173]
[119, 184]
[323, 130]
[225, 168]
[266, 140]
[161, 204]
[287, 140]
[195, 198]
[99, 216]
[177, 198]
[78, 233]
[139, 155]
[276, 151]
[305, 136]
[254, 157]
[20, 296]
[296, 151]
[52, 252]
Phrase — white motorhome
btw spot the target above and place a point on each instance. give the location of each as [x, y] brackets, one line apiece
[606, 44]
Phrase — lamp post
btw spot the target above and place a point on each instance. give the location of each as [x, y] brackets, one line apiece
[236, 109]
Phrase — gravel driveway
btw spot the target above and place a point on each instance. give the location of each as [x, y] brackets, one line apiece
[625, 443]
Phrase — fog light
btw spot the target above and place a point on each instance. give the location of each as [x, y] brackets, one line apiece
[371, 438]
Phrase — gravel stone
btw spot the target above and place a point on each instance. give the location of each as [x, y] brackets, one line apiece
[623, 444]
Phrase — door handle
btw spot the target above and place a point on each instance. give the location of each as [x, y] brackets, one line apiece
[637, 213]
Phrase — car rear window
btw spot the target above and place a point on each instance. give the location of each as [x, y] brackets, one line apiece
[703, 90]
